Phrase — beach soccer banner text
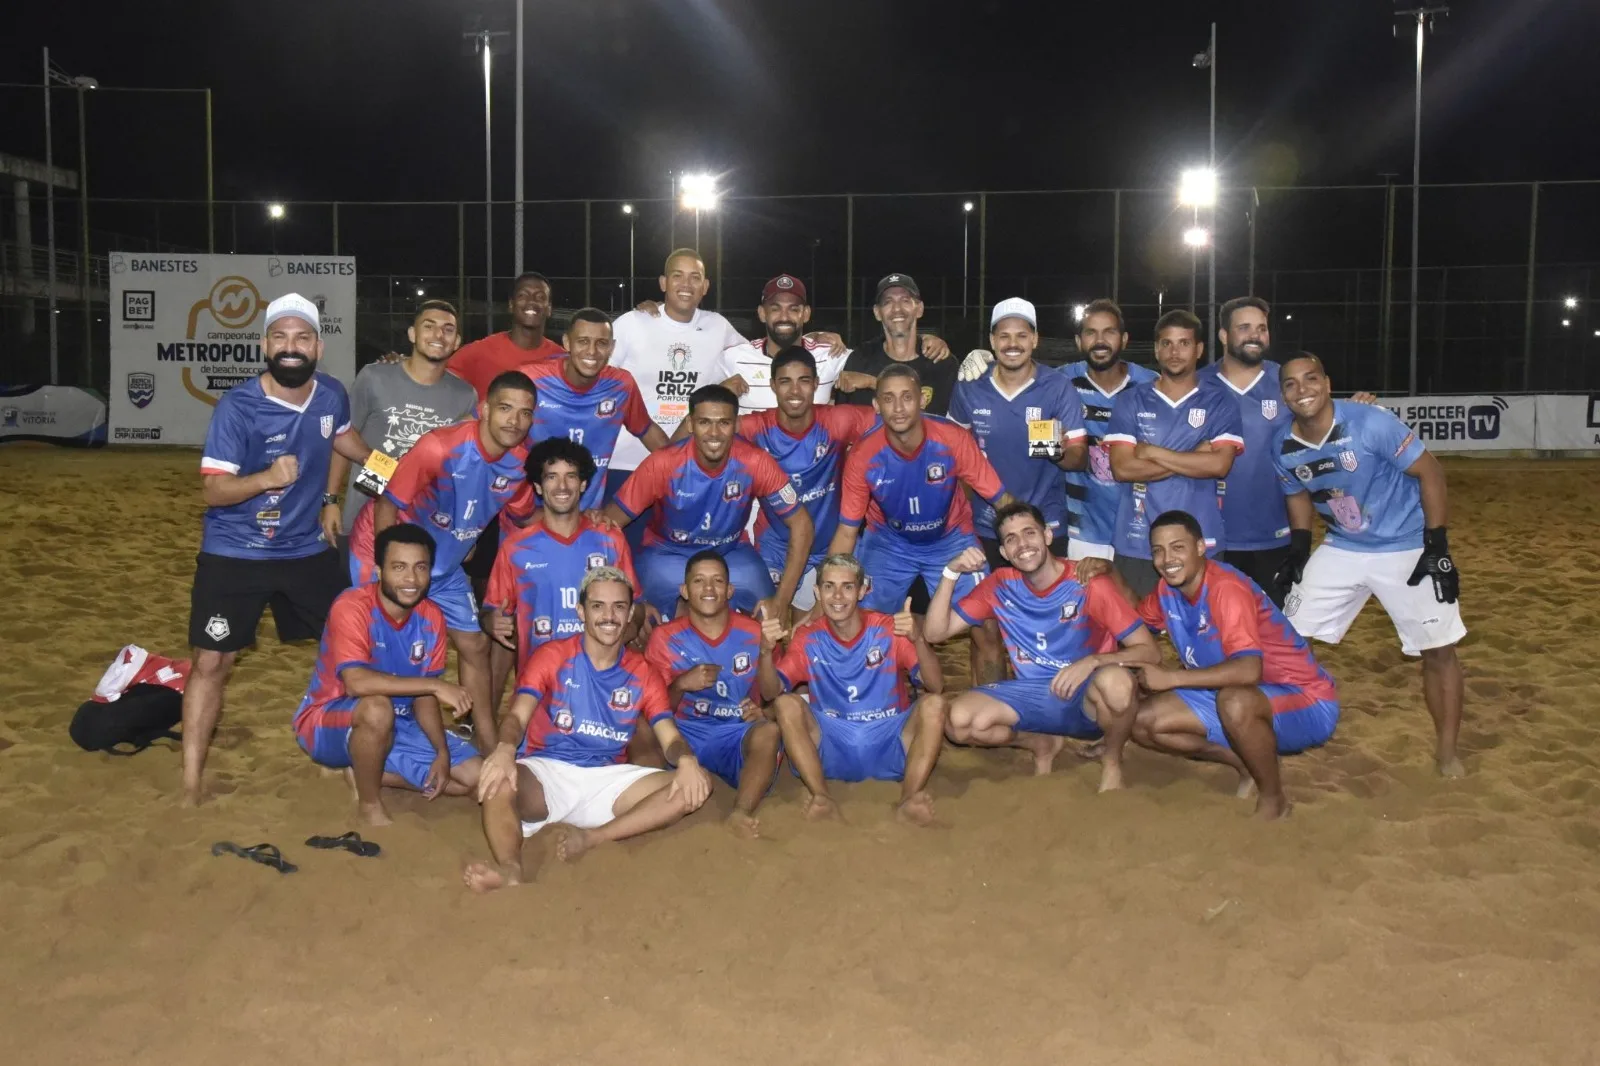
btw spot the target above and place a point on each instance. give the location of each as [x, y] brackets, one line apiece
[187, 328]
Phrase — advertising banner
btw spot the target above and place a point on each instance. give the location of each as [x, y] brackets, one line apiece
[1569, 423]
[187, 328]
[1469, 423]
[52, 413]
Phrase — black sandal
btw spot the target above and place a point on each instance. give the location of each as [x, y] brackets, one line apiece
[265, 854]
[350, 842]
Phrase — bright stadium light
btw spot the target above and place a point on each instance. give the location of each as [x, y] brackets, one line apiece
[699, 191]
[1566, 322]
[275, 212]
[1570, 303]
[419, 292]
[627, 209]
[1197, 187]
[1077, 312]
[967, 206]
[1196, 237]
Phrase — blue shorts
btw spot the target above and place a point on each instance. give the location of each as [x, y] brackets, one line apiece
[661, 572]
[862, 751]
[452, 594]
[324, 734]
[1041, 711]
[1299, 720]
[718, 744]
[892, 563]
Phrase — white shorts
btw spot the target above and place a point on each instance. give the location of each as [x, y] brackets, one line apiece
[805, 593]
[1336, 586]
[580, 796]
[1088, 549]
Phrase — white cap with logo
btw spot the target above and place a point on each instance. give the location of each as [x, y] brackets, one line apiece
[291, 304]
[1014, 307]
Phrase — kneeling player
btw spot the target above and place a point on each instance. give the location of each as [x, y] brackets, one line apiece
[1054, 626]
[1252, 690]
[373, 701]
[710, 654]
[860, 723]
[576, 705]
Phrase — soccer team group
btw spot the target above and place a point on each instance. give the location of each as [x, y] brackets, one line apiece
[700, 556]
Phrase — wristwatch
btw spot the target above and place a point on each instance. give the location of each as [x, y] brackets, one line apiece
[330, 498]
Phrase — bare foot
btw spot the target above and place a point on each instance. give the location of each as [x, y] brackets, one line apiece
[1247, 787]
[573, 843]
[349, 776]
[191, 797]
[818, 808]
[374, 814]
[1092, 750]
[486, 877]
[744, 825]
[1273, 808]
[1449, 765]
[917, 809]
[1110, 777]
[1044, 749]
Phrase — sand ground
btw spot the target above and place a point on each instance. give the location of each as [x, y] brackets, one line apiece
[1397, 918]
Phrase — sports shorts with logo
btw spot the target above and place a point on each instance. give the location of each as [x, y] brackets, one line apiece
[229, 595]
[1338, 582]
[893, 563]
[1299, 719]
[323, 733]
[1041, 711]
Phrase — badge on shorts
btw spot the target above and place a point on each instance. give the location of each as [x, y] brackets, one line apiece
[327, 426]
[1197, 417]
[1347, 459]
[621, 698]
[217, 628]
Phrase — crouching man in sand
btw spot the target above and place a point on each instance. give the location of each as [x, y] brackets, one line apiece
[373, 702]
[575, 708]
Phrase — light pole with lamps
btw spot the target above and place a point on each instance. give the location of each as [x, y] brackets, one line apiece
[1207, 61]
[276, 213]
[1196, 238]
[1424, 18]
[1197, 188]
[966, 259]
[628, 210]
[699, 194]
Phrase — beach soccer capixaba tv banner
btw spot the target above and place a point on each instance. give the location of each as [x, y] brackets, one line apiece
[187, 328]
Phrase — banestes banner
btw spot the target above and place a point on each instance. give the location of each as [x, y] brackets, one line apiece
[187, 328]
[1469, 423]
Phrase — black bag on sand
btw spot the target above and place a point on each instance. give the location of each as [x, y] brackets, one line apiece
[144, 715]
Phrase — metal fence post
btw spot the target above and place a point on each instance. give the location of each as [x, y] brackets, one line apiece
[849, 263]
[1116, 245]
[720, 304]
[461, 258]
[1527, 304]
[336, 227]
[983, 252]
[1255, 210]
[1386, 304]
[588, 251]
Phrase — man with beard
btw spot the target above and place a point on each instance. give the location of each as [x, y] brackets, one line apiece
[263, 469]
[1061, 632]
[453, 483]
[373, 702]
[1173, 441]
[898, 306]
[483, 360]
[393, 404]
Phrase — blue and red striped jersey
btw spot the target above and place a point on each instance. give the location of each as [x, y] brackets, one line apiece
[917, 496]
[585, 716]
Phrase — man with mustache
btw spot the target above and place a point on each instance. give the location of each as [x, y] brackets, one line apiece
[373, 701]
[263, 471]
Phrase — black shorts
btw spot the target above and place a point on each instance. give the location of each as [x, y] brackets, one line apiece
[991, 551]
[1140, 574]
[482, 561]
[1261, 567]
[229, 595]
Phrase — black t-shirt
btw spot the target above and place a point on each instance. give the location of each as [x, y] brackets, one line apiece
[871, 358]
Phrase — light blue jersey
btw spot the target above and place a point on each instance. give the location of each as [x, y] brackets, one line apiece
[1357, 478]
[1093, 495]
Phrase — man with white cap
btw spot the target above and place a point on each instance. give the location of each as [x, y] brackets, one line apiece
[263, 471]
[1030, 425]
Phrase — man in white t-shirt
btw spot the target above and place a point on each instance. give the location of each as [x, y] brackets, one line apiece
[747, 368]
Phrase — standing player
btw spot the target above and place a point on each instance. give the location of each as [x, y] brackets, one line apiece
[589, 402]
[1174, 440]
[453, 483]
[1382, 497]
[1249, 688]
[898, 306]
[533, 588]
[860, 723]
[1002, 409]
[262, 473]
[702, 490]
[393, 404]
[1056, 627]
[809, 443]
[709, 654]
[373, 701]
[561, 742]
[482, 361]
[904, 480]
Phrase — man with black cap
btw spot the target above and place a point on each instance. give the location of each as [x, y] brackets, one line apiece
[263, 471]
[898, 306]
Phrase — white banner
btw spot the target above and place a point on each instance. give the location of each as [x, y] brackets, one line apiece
[1469, 423]
[53, 413]
[1569, 423]
[186, 328]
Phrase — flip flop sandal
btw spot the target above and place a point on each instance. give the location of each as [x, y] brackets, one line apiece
[265, 854]
[350, 842]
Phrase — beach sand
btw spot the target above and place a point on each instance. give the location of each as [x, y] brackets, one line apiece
[1396, 918]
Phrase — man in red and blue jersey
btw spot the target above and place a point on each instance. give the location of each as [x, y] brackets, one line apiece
[1249, 689]
[904, 480]
[809, 442]
[709, 654]
[860, 722]
[702, 490]
[559, 756]
[1173, 440]
[453, 483]
[1062, 634]
[266, 458]
[586, 400]
[373, 702]
[533, 588]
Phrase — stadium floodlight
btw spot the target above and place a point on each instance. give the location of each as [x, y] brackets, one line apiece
[419, 292]
[1196, 237]
[276, 212]
[967, 206]
[699, 191]
[627, 209]
[1197, 187]
[1570, 303]
[1078, 312]
[1566, 322]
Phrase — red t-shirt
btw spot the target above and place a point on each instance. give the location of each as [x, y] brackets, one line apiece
[484, 360]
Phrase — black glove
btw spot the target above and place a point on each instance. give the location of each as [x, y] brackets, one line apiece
[1294, 564]
[1437, 564]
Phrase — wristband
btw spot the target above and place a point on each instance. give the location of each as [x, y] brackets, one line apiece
[1436, 540]
[952, 575]
[1300, 541]
[330, 498]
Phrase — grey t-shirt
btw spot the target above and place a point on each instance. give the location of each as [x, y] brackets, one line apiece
[390, 411]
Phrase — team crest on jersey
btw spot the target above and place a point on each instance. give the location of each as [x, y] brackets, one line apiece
[702, 707]
[441, 519]
[1197, 417]
[1269, 409]
[732, 490]
[542, 627]
[419, 651]
[141, 389]
[327, 426]
[874, 656]
[788, 495]
[608, 406]
[563, 720]
[741, 662]
[1347, 459]
[1303, 472]
[500, 483]
[678, 355]
[1203, 623]
[1069, 611]
[594, 562]
[681, 536]
[621, 698]
[936, 472]
[1034, 414]
[822, 451]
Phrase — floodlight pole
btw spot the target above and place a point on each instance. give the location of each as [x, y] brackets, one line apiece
[1211, 245]
[50, 227]
[1423, 17]
[488, 185]
[516, 244]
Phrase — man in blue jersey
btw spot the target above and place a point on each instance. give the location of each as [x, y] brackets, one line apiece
[263, 470]
[1062, 636]
[709, 656]
[1382, 497]
[1172, 441]
[1028, 422]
